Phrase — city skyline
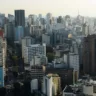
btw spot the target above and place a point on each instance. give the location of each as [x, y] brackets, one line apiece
[56, 7]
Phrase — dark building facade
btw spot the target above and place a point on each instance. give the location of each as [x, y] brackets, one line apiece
[9, 30]
[89, 54]
[66, 75]
[20, 18]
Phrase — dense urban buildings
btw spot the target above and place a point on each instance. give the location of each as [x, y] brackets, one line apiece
[55, 55]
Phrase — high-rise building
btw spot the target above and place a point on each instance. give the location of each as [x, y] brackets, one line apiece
[51, 85]
[2, 20]
[32, 19]
[38, 60]
[46, 39]
[9, 31]
[19, 33]
[10, 18]
[26, 41]
[49, 18]
[89, 54]
[20, 18]
[60, 19]
[85, 29]
[1, 64]
[66, 74]
[33, 50]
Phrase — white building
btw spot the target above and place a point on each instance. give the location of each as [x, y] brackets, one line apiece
[33, 50]
[38, 60]
[26, 41]
[51, 84]
[11, 18]
[46, 39]
[34, 85]
[89, 88]
[32, 19]
[58, 26]
[49, 18]
[36, 30]
[3, 53]
[74, 61]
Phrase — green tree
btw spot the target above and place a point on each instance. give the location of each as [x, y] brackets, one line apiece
[50, 57]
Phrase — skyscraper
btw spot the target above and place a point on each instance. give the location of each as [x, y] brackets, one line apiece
[89, 54]
[1, 64]
[19, 17]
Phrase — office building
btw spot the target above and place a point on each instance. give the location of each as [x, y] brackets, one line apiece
[33, 50]
[26, 41]
[36, 30]
[1, 64]
[38, 60]
[11, 18]
[89, 54]
[10, 31]
[46, 39]
[20, 18]
[1, 33]
[66, 74]
[4, 55]
[74, 63]
[19, 33]
[32, 19]
[37, 72]
[58, 36]
[85, 29]
[49, 18]
[51, 85]
[60, 19]
[27, 31]
[2, 20]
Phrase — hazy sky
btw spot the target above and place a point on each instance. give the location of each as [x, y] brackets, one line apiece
[56, 7]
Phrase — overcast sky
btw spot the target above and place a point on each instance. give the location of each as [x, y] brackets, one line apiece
[56, 7]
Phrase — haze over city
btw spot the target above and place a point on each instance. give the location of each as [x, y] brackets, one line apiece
[56, 7]
[48, 48]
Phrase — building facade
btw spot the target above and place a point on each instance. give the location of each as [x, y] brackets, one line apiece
[33, 50]
[19, 33]
[26, 41]
[38, 60]
[20, 18]
[89, 54]
[51, 85]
